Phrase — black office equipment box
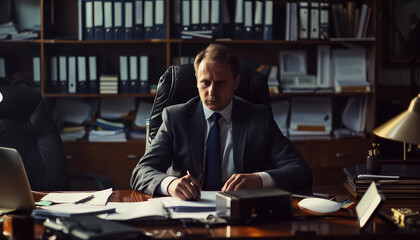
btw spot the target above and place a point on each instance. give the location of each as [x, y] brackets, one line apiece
[262, 204]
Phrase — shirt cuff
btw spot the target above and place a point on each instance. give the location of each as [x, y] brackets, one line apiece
[163, 186]
[267, 180]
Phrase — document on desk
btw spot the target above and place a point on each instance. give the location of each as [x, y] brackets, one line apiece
[164, 208]
[199, 209]
[130, 211]
[69, 210]
[99, 198]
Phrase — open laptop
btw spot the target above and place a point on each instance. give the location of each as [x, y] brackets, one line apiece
[15, 191]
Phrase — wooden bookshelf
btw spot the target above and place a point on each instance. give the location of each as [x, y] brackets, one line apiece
[58, 36]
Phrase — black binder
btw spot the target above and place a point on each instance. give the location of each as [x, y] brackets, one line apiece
[138, 19]
[128, 19]
[118, 20]
[93, 75]
[98, 23]
[109, 19]
[82, 86]
[88, 20]
[148, 19]
[160, 19]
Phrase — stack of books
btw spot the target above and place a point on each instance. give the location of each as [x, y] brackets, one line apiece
[107, 131]
[396, 181]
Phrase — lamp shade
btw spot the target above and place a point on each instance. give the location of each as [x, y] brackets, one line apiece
[405, 127]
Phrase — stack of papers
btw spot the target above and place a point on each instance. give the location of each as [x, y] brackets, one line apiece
[72, 133]
[349, 70]
[164, 208]
[68, 204]
[70, 210]
[107, 136]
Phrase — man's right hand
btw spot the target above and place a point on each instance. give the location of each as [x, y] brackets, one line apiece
[185, 188]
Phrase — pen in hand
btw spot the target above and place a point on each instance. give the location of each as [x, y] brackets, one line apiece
[188, 173]
[192, 184]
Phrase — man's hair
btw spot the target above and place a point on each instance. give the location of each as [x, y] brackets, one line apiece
[219, 54]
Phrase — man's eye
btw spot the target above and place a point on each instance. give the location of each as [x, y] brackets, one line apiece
[206, 83]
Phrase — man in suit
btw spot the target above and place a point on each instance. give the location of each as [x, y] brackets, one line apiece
[253, 152]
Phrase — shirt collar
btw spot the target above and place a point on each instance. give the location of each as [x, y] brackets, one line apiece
[226, 112]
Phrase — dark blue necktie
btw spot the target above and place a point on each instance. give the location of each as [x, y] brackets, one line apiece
[213, 155]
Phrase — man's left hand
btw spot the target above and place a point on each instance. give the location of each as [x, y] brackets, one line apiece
[243, 181]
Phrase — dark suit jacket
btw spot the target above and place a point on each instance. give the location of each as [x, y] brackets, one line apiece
[259, 145]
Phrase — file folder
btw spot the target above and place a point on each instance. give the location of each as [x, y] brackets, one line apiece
[93, 75]
[148, 19]
[268, 20]
[186, 15]
[88, 14]
[82, 86]
[324, 27]
[176, 26]
[217, 18]
[108, 20]
[314, 33]
[248, 19]
[72, 74]
[138, 19]
[195, 15]
[134, 78]
[80, 20]
[36, 63]
[118, 20]
[258, 19]
[128, 19]
[160, 19]
[2, 68]
[54, 75]
[303, 19]
[144, 74]
[98, 22]
[239, 20]
[124, 84]
[62, 74]
[205, 15]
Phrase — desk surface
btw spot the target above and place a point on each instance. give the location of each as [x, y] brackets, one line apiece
[309, 226]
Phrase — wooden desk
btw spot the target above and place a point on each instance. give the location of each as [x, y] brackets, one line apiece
[308, 227]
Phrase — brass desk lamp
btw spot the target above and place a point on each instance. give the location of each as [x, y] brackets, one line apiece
[405, 127]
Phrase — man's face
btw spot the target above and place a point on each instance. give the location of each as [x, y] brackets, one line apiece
[215, 84]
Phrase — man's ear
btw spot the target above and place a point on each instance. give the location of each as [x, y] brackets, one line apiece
[236, 80]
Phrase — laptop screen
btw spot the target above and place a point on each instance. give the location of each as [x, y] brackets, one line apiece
[15, 191]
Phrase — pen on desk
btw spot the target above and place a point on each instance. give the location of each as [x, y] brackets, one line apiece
[84, 199]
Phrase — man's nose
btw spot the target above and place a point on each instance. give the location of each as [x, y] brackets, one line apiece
[212, 88]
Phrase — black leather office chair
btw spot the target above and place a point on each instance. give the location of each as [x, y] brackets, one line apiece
[178, 85]
[27, 126]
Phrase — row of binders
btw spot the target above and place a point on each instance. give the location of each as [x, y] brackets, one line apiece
[252, 19]
[73, 74]
[79, 74]
[122, 19]
[209, 19]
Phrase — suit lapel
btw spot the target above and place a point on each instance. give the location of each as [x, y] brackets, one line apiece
[240, 130]
[196, 134]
